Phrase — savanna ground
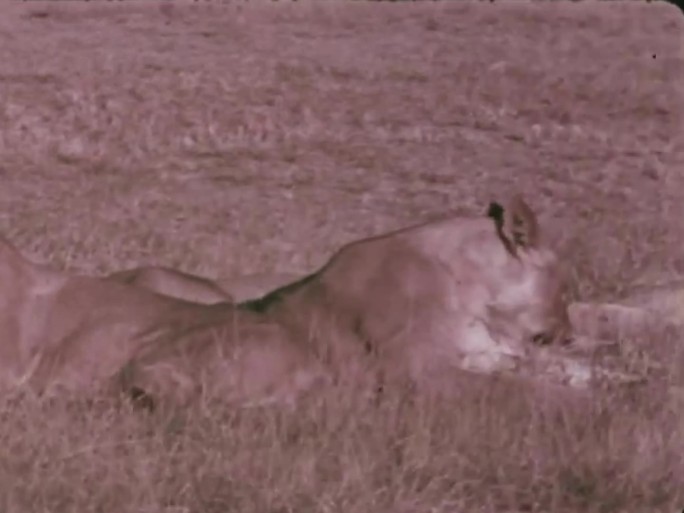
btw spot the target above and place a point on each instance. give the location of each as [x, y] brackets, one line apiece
[233, 138]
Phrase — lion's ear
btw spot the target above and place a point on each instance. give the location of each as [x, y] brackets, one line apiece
[520, 224]
[516, 224]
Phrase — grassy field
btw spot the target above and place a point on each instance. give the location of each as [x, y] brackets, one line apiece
[234, 138]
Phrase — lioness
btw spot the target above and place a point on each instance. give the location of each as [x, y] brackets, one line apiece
[77, 333]
[475, 293]
[174, 283]
[244, 359]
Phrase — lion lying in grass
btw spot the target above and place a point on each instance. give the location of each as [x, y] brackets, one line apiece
[476, 294]
[60, 331]
[479, 294]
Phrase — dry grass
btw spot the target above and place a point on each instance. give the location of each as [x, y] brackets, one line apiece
[232, 138]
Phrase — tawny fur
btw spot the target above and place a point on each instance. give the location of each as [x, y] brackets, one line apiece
[471, 293]
[174, 283]
[59, 331]
[476, 294]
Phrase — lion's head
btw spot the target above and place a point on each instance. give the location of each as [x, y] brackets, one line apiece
[531, 300]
